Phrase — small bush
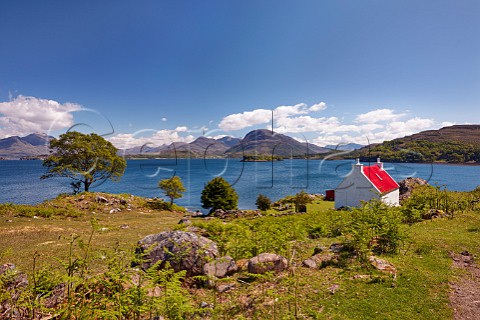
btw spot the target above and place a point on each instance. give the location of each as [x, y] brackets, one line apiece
[263, 203]
[317, 231]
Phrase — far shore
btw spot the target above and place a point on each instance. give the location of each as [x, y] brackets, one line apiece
[276, 160]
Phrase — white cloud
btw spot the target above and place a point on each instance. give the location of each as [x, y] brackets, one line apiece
[306, 124]
[399, 129]
[379, 115]
[287, 111]
[151, 137]
[374, 126]
[318, 107]
[448, 124]
[343, 139]
[24, 115]
[239, 121]
[181, 129]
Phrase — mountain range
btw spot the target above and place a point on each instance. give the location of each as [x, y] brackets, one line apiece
[33, 145]
[256, 142]
[458, 143]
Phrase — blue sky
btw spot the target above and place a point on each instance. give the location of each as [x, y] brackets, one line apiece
[332, 71]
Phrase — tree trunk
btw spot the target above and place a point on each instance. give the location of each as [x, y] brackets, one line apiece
[87, 185]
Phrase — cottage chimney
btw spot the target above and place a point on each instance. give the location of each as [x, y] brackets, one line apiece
[357, 167]
[379, 163]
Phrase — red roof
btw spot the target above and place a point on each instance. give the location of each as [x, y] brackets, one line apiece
[380, 179]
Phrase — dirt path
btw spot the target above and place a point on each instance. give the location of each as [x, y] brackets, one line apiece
[465, 293]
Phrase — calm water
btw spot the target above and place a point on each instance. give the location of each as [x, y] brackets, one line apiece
[20, 180]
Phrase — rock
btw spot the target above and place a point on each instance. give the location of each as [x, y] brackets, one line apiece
[319, 260]
[382, 265]
[336, 247]
[221, 288]
[13, 277]
[242, 264]
[14, 282]
[325, 259]
[204, 304]
[221, 214]
[101, 199]
[115, 210]
[334, 288]
[197, 230]
[185, 221]
[310, 263]
[319, 249]
[265, 262]
[57, 297]
[183, 250]
[434, 213]
[220, 267]
[407, 186]
[197, 213]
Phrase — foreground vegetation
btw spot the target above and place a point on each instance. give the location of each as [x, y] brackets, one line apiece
[89, 256]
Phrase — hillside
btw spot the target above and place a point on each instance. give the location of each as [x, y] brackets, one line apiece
[264, 142]
[204, 146]
[32, 145]
[256, 142]
[344, 147]
[454, 144]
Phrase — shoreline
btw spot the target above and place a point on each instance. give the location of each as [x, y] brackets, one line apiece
[473, 164]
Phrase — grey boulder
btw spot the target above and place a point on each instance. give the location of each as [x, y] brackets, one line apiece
[182, 250]
[220, 267]
[266, 262]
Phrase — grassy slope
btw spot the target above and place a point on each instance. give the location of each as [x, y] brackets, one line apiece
[420, 290]
[21, 237]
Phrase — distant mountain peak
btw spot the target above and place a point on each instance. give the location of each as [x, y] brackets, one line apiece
[32, 145]
[266, 142]
[229, 141]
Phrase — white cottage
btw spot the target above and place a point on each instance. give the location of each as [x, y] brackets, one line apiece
[365, 183]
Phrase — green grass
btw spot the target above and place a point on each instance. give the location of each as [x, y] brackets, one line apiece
[21, 236]
[419, 290]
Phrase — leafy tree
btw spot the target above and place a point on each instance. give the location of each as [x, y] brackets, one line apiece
[219, 194]
[85, 158]
[301, 200]
[263, 202]
[172, 188]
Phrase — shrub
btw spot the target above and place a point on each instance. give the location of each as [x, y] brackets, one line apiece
[219, 194]
[301, 200]
[172, 188]
[375, 226]
[263, 203]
